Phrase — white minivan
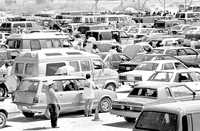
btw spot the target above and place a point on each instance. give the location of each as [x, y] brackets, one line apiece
[46, 62]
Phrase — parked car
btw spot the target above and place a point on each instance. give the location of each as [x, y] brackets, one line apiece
[179, 29]
[187, 76]
[152, 93]
[7, 110]
[186, 54]
[30, 95]
[112, 60]
[176, 116]
[144, 70]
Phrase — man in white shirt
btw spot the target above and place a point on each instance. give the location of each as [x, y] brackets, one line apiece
[88, 95]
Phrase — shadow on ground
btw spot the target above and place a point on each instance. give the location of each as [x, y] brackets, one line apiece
[122, 124]
[36, 128]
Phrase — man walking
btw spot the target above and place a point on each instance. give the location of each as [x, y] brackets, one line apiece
[52, 103]
[89, 95]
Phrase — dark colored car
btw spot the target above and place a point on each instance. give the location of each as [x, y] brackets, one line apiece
[131, 65]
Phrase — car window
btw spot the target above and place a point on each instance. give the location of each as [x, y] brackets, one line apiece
[56, 43]
[19, 67]
[195, 76]
[26, 44]
[46, 43]
[76, 66]
[30, 69]
[167, 66]
[171, 52]
[179, 65]
[51, 68]
[115, 57]
[35, 45]
[147, 66]
[190, 51]
[181, 52]
[196, 121]
[161, 76]
[180, 91]
[97, 64]
[67, 85]
[183, 77]
[85, 66]
[147, 92]
[157, 121]
[29, 24]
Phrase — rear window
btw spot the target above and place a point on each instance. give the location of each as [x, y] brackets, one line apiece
[157, 121]
[147, 92]
[19, 25]
[19, 68]
[28, 85]
[30, 69]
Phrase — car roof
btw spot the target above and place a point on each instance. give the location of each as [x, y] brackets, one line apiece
[177, 71]
[54, 78]
[171, 47]
[176, 107]
[161, 61]
[156, 85]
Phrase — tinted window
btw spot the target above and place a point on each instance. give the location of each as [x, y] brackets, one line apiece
[19, 68]
[190, 52]
[30, 69]
[35, 45]
[52, 68]
[85, 65]
[183, 77]
[147, 92]
[14, 44]
[28, 85]
[157, 121]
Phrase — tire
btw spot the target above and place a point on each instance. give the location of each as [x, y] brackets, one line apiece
[105, 105]
[28, 114]
[111, 87]
[130, 120]
[3, 120]
[3, 91]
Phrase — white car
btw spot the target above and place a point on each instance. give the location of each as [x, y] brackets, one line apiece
[144, 70]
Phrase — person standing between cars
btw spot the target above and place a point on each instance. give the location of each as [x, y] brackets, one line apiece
[52, 103]
[88, 95]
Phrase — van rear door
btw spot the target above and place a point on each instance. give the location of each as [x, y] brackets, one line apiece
[26, 92]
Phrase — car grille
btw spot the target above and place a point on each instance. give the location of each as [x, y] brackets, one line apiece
[127, 108]
[122, 78]
[138, 78]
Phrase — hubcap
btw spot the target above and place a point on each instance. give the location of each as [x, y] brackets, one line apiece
[105, 105]
[1, 120]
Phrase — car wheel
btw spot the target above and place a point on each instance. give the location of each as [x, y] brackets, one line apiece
[130, 120]
[110, 86]
[3, 91]
[105, 105]
[3, 119]
[28, 114]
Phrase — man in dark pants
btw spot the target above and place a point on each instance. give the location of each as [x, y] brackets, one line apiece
[52, 103]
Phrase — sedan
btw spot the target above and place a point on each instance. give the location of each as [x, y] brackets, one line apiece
[150, 94]
[144, 70]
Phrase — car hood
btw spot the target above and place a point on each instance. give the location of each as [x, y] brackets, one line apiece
[136, 100]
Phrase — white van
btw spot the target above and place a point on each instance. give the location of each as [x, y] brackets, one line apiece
[47, 61]
[177, 116]
[19, 43]
[30, 95]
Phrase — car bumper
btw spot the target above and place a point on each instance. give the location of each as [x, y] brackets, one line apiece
[32, 108]
[130, 114]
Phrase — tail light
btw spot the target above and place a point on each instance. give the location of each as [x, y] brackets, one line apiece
[36, 100]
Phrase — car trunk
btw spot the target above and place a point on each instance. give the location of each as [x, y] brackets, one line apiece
[24, 97]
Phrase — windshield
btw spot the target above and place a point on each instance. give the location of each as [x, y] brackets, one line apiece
[147, 66]
[157, 51]
[28, 85]
[157, 121]
[161, 76]
[141, 58]
[147, 92]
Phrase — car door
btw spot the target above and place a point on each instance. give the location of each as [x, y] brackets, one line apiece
[68, 98]
[181, 93]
